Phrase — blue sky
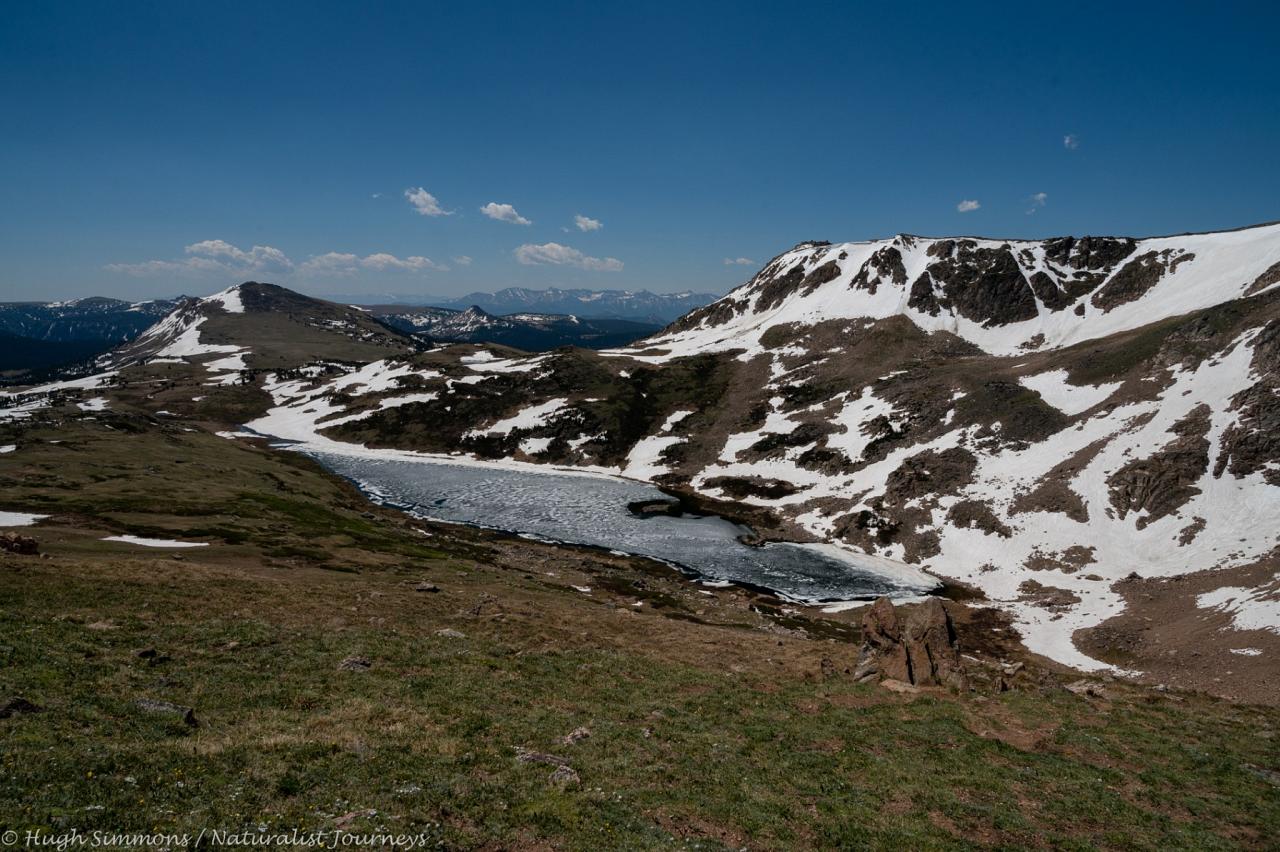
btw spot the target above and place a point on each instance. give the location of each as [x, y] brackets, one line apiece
[149, 147]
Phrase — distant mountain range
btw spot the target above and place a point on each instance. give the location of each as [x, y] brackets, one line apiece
[39, 335]
[636, 305]
[531, 332]
[36, 337]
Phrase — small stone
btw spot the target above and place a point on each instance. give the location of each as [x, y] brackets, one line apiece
[450, 633]
[524, 755]
[151, 705]
[576, 735]
[564, 775]
[1086, 688]
[426, 587]
[899, 686]
[355, 664]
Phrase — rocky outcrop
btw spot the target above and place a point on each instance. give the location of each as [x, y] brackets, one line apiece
[1164, 481]
[23, 545]
[984, 285]
[920, 650]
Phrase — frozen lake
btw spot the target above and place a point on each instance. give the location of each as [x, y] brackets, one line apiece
[592, 510]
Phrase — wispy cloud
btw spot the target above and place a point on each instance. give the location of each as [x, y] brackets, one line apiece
[342, 263]
[558, 255]
[462, 260]
[1071, 141]
[586, 223]
[504, 213]
[1037, 200]
[210, 258]
[967, 206]
[424, 203]
[213, 256]
[739, 261]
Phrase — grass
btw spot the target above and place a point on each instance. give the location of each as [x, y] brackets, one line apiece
[709, 727]
[427, 738]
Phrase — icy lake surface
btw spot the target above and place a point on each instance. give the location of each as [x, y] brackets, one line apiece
[592, 510]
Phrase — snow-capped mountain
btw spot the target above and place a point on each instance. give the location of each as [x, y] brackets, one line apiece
[638, 306]
[1066, 425]
[531, 332]
[261, 326]
[37, 335]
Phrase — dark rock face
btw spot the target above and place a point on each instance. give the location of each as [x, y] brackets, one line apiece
[885, 262]
[930, 473]
[1048, 291]
[921, 650]
[1136, 277]
[775, 290]
[1252, 443]
[1163, 482]
[1265, 280]
[739, 487]
[1088, 253]
[828, 271]
[922, 297]
[984, 285]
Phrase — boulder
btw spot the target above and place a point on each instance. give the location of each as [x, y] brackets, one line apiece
[23, 545]
[920, 650]
[883, 655]
[932, 647]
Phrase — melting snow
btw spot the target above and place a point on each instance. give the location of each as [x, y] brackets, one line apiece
[1068, 398]
[229, 299]
[19, 519]
[1250, 609]
[154, 542]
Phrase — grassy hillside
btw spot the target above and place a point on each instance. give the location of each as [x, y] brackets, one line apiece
[349, 669]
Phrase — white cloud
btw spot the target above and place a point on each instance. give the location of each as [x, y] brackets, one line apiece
[425, 203]
[341, 263]
[554, 253]
[739, 261]
[462, 260]
[213, 256]
[221, 258]
[586, 223]
[1037, 200]
[504, 213]
[967, 206]
[1071, 141]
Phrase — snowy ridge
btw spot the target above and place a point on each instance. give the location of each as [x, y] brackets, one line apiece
[899, 276]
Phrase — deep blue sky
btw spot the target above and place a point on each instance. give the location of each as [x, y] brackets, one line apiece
[694, 132]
